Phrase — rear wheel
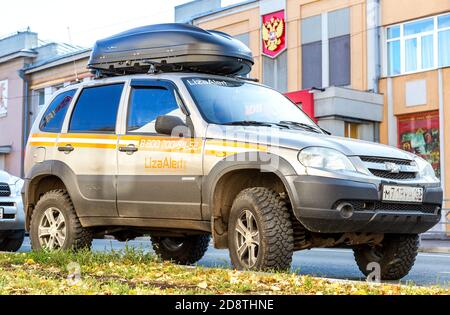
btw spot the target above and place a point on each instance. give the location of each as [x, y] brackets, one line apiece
[260, 234]
[395, 255]
[55, 225]
[12, 242]
[181, 250]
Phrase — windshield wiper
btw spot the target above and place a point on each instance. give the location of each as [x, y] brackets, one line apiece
[301, 125]
[254, 123]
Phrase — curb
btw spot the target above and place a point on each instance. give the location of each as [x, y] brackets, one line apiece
[435, 250]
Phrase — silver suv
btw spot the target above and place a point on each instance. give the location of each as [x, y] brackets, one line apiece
[12, 217]
[183, 156]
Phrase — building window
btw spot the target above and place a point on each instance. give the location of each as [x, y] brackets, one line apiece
[314, 48]
[275, 72]
[412, 46]
[311, 29]
[419, 134]
[351, 130]
[41, 97]
[339, 47]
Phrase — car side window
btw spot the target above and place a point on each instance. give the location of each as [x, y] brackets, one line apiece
[96, 109]
[146, 104]
[54, 115]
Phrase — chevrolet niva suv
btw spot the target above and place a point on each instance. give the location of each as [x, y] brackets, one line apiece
[155, 146]
[183, 156]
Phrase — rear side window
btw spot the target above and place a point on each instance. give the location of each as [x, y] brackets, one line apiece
[96, 109]
[56, 112]
[146, 104]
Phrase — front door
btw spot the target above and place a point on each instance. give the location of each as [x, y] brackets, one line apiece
[159, 175]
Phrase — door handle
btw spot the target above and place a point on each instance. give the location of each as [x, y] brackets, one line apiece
[66, 149]
[129, 149]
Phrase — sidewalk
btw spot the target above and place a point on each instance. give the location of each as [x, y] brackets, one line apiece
[435, 246]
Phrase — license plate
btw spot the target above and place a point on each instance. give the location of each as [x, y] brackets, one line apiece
[1, 213]
[402, 193]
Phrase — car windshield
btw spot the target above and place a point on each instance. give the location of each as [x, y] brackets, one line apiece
[234, 102]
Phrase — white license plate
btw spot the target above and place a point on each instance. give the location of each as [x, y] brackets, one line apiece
[1, 213]
[402, 193]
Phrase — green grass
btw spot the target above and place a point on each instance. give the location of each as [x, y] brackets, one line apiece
[132, 271]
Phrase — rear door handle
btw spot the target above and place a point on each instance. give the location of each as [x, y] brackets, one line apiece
[129, 149]
[66, 149]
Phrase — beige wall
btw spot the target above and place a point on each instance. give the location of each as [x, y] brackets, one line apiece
[11, 125]
[68, 72]
[398, 87]
[396, 11]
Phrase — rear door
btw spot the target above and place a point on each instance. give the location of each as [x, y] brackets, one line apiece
[89, 148]
[159, 175]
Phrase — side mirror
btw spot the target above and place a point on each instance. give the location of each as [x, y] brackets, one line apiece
[166, 124]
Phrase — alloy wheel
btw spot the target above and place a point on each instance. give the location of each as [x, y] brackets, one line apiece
[247, 239]
[52, 229]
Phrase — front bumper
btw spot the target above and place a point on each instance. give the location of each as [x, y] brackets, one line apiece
[13, 214]
[316, 200]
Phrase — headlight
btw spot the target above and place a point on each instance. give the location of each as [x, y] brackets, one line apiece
[327, 159]
[425, 169]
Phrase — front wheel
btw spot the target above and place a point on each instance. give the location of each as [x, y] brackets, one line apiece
[395, 255]
[260, 234]
[181, 250]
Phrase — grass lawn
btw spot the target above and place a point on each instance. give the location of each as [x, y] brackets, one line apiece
[133, 272]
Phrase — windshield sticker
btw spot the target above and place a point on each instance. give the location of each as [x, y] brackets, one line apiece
[194, 82]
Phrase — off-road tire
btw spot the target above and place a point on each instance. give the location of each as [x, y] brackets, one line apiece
[12, 242]
[396, 255]
[273, 220]
[191, 249]
[77, 237]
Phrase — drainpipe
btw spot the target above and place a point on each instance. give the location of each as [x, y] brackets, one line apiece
[373, 44]
[25, 120]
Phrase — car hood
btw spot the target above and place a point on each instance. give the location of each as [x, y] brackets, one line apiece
[7, 178]
[298, 139]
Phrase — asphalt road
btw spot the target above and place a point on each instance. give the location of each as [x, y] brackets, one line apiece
[430, 269]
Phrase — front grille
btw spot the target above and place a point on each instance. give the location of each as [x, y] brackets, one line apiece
[8, 216]
[5, 191]
[361, 205]
[389, 175]
[7, 204]
[382, 160]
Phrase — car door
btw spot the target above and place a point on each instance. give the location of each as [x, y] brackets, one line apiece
[159, 176]
[89, 148]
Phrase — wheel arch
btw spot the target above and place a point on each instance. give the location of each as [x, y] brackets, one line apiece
[231, 176]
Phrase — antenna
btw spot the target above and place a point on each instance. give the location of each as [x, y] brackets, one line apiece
[74, 63]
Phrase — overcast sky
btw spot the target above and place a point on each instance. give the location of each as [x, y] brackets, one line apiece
[81, 22]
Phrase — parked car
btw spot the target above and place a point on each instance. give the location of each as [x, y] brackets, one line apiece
[182, 155]
[12, 217]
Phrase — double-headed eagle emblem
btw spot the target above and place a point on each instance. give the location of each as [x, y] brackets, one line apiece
[272, 31]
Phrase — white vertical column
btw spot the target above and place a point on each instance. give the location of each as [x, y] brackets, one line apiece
[391, 119]
[48, 93]
[325, 52]
[442, 142]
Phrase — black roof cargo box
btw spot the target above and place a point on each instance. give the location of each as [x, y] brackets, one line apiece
[170, 47]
